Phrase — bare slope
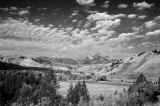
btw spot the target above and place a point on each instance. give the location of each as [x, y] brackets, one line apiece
[147, 63]
[129, 68]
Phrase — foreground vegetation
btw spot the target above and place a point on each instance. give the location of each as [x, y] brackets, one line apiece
[31, 88]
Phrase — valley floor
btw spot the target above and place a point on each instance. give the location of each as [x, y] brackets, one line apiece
[95, 88]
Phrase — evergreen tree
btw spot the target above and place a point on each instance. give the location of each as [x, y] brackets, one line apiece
[78, 91]
[78, 86]
[76, 94]
[70, 93]
[141, 78]
[159, 83]
[84, 92]
[49, 88]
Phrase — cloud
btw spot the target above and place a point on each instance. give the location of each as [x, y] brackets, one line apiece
[150, 24]
[125, 37]
[75, 13]
[154, 33]
[104, 24]
[106, 4]
[155, 23]
[105, 34]
[157, 18]
[104, 16]
[41, 9]
[14, 8]
[85, 2]
[131, 47]
[4, 9]
[75, 20]
[27, 31]
[132, 16]
[142, 17]
[137, 29]
[143, 5]
[22, 33]
[121, 6]
[108, 24]
[23, 12]
[146, 44]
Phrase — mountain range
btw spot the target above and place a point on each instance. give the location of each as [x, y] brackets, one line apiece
[129, 68]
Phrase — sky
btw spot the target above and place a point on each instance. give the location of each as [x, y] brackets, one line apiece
[78, 28]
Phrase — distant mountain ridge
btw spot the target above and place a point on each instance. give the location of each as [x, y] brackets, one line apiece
[129, 68]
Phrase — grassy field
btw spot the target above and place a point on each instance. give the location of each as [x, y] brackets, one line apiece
[95, 88]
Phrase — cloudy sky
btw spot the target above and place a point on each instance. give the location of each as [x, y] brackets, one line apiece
[73, 28]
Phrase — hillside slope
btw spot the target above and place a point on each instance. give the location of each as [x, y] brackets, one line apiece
[147, 63]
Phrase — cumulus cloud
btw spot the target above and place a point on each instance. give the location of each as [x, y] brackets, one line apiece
[131, 47]
[137, 29]
[125, 37]
[75, 20]
[23, 30]
[106, 4]
[154, 33]
[28, 31]
[23, 12]
[4, 9]
[14, 8]
[75, 13]
[157, 18]
[150, 24]
[132, 16]
[104, 16]
[142, 17]
[85, 2]
[121, 6]
[143, 5]
[104, 24]
[108, 24]
[146, 44]
[105, 34]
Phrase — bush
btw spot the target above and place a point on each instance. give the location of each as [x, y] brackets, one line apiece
[102, 78]
[142, 92]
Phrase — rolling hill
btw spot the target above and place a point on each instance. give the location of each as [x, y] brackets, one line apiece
[129, 68]
[147, 63]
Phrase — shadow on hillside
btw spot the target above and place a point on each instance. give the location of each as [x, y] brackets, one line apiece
[10, 66]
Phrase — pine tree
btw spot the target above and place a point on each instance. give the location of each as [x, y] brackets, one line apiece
[141, 78]
[84, 92]
[76, 94]
[159, 83]
[79, 91]
[49, 88]
[70, 93]
[79, 87]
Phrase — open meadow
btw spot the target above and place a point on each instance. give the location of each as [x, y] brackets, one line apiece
[95, 88]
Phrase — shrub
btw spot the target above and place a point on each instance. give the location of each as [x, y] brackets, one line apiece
[142, 92]
[102, 78]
